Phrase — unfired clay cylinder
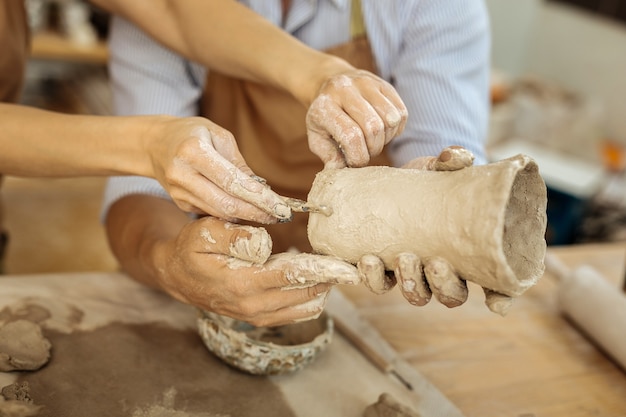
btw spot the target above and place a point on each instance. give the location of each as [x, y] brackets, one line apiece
[487, 221]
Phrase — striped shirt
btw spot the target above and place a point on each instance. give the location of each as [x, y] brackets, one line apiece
[434, 52]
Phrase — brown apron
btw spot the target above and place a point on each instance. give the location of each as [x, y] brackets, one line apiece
[270, 129]
[15, 44]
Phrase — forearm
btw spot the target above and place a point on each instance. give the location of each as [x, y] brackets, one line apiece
[42, 143]
[139, 229]
[228, 37]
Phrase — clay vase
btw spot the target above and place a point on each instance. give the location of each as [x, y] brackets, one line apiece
[487, 221]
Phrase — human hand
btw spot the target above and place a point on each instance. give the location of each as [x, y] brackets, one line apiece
[420, 278]
[227, 269]
[451, 158]
[200, 166]
[354, 115]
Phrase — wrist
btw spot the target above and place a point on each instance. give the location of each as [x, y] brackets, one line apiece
[152, 143]
[135, 139]
[306, 86]
[154, 256]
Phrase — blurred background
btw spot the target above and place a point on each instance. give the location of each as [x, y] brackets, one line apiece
[558, 94]
[54, 223]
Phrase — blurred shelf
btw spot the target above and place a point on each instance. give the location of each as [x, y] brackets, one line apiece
[53, 46]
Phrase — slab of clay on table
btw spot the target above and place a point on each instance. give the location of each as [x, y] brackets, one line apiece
[121, 349]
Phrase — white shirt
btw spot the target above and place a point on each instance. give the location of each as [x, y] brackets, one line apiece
[434, 52]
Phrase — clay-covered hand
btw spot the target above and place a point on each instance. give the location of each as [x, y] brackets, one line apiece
[418, 278]
[451, 158]
[200, 166]
[227, 269]
[354, 115]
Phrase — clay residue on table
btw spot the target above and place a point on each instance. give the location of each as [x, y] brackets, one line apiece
[31, 309]
[30, 312]
[127, 370]
[166, 408]
[23, 346]
[15, 408]
[388, 406]
[15, 401]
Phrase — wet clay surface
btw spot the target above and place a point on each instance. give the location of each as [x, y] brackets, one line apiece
[145, 370]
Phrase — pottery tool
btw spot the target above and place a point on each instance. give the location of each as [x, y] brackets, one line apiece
[595, 306]
[301, 206]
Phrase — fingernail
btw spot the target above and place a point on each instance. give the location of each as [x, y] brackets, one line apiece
[269, 198]
[393, 118]
[283, 212]
[418, 301]
[445, 156]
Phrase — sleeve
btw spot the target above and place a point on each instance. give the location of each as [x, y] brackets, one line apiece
[147, 78]
[441, 72]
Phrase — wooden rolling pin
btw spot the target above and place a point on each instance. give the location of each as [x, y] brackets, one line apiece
[594, 305]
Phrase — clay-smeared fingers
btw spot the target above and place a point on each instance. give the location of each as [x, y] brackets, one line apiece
[497, 302]
[209, 198]
[410, 276]
[221, 162]
[334, 136]
[373, 274]
[443, 281]
[371, 124]
[322, 145]
[389, 106]
[308, 310]
[451, 158]
[270, 294]
[305, 269]
[248, 243]
[280, 306]
[375, 105]
[357, 110]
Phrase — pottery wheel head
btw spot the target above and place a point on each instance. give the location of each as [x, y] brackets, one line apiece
[265, 350]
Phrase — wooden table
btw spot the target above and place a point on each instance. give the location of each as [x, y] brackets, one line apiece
[531, 363]
[121, 349]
